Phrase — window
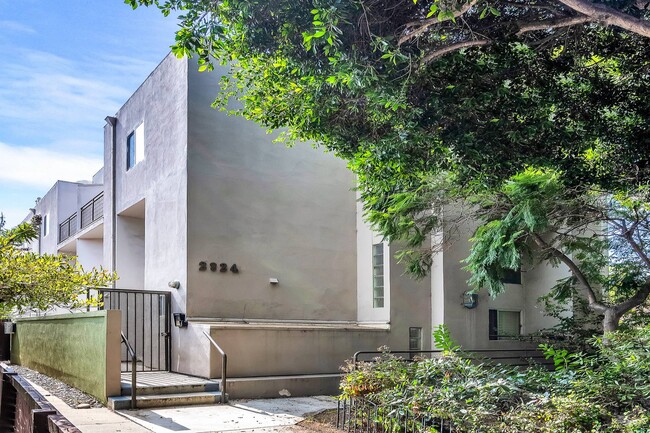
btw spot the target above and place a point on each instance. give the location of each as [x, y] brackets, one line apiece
[45, 225]
[504, 325]
[378, 275]
[135, 147]
[511, 276]
[415, 338]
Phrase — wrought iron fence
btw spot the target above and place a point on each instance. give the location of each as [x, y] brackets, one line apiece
[93, 210]
[363, 416]
[146, 324]
[68, 227]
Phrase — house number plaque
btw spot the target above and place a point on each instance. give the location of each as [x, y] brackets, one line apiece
[221, 267]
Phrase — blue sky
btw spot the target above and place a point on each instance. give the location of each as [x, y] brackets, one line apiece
[64, 66]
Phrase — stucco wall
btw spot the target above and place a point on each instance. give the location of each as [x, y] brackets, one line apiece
[80, 349]
[275, 212]
[89, 253]
[273, 350]
[154, 190]
[470, 327]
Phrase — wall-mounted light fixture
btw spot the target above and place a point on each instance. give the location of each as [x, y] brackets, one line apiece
[470, 300]
[174, 284]
[179, 320]
[274, 281]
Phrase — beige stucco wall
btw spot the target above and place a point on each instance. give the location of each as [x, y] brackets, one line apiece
[79, 349]
[275, 212]
[470, 327]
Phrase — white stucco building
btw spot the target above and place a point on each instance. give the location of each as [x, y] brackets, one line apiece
[266, 244]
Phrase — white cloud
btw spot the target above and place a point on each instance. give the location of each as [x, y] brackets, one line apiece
[42, 168]
[15, 27]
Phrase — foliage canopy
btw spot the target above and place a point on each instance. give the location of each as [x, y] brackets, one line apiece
[438, 101]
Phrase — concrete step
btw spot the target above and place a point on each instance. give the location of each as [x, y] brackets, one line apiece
[165, 400]
[171, 389]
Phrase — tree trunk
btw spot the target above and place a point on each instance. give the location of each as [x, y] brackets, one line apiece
[610, 323]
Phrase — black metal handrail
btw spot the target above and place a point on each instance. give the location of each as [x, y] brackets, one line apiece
[93, 210]
[134, 379]
[68, 227]
[520, 354]
[224, 362]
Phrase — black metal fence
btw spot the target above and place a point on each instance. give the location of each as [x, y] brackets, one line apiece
[146, 324]
[68, 227]
[363, 416]
[93, 210]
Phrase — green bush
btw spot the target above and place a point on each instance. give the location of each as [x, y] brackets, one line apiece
[606, 391]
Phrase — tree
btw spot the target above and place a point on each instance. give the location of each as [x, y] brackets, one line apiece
[29, 281]
[426, 97]
[336, 72]
[603, 239]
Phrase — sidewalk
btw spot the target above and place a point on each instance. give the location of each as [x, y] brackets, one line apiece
[270, 415]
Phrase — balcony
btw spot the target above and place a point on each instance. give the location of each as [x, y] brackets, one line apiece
[92, 211]
[68, 227]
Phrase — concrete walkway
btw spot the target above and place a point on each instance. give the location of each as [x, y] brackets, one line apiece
[270, 415]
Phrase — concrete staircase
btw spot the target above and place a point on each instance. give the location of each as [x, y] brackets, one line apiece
[161, 389]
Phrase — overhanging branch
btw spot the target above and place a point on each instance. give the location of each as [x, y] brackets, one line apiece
[454, 47]
[426, 24]
[553, 24]
[594, 304]
[609, 16]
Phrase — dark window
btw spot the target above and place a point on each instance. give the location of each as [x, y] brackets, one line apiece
[415, 339]
[130, 151]
[511, 276]
[504, 325]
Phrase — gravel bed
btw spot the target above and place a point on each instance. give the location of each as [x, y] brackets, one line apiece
[72, 396]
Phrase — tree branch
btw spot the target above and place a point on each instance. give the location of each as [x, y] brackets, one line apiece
[609, 16]
[628, 236]
[639, 298]
[426, 24]
[454, 47]
[553, 24]
[594, 304]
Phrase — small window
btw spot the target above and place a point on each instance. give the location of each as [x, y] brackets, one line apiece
[415, 338]
[135, 147]
[511, 276]
[504, 325]
[378, 275]
[45, 225]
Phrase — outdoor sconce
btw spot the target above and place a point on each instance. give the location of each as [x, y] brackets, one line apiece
[274, 281]
[179, 320]
[470, 300]
[174, 284]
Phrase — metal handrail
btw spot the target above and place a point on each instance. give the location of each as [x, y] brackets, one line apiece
[224, 362]
[134, 362]
[437, 351]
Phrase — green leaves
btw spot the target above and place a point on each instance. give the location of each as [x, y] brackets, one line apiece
[29, 281]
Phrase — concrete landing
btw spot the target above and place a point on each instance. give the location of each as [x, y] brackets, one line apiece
[272, 415]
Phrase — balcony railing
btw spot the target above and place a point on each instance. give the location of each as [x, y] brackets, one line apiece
[92, 211]
[68, 227]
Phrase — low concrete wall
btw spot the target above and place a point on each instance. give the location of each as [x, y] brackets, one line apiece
[82, 349]
[278, 350]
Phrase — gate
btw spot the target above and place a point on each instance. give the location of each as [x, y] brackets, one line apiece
[146, 323]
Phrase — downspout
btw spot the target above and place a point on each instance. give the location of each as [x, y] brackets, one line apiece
[112, 121]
